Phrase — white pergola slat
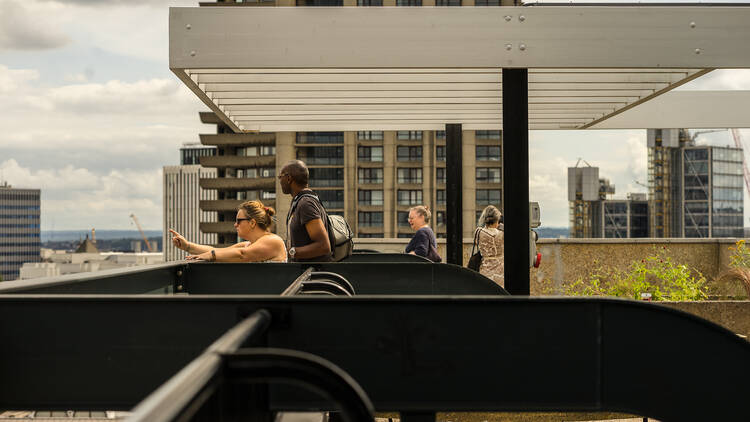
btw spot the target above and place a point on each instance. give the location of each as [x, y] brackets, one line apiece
[305, 69]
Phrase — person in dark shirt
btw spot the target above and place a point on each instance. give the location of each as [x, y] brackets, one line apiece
[423, 243]
[306, 228]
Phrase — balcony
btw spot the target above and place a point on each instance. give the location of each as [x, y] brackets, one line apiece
[228, 183]
[233, 161]
[239, 139]
[218, 227]
[229, 204]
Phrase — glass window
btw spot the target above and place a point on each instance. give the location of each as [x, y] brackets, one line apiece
[696, 154]
[370, 197]
[408, 2]
[493, 135]
[370, 235]
[409, 135]
[366, 175]
[486, 197]
[370, 135]
[321, 155]
[440, 197]
[326, 177]
[447, 3]
[370, 218]
[409, 197]
[488, 153]
[268, 194]
[488, 174]
[440, 219]
[409, 153]
[440, 175]
[409, 175]
[313, 3]
[440, 153]
[440, 134]
[370, 154]
[320, 137]
[331, 199]
[487, 3]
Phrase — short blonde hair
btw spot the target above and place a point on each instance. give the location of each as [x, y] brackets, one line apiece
[424, 211]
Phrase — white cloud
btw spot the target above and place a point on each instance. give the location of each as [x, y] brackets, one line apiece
[722, 79]
[13, 80]
[23, 29]
[78, 197]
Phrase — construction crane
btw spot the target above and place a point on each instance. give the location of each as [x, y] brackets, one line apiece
[143, 235]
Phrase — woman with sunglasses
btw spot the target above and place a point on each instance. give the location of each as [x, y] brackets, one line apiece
[253, 223]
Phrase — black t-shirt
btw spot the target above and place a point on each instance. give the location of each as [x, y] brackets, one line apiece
[307, 209]
[421, 241]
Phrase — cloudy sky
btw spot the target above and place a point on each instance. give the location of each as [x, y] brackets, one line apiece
[90, 113]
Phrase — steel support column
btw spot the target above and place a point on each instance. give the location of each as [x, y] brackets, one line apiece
[453, 194]
[516, 179]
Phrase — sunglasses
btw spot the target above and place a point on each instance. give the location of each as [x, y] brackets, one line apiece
[240, 220]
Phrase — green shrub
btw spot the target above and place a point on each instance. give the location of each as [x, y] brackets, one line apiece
[657, 275]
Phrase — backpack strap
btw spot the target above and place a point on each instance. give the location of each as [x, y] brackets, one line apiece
[476, 240]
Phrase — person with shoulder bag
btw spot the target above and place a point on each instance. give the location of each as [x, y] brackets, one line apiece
[490, 242]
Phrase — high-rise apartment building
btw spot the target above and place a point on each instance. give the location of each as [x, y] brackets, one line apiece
[695, 191]
[372, 178]
[20, 239]
[182, 207]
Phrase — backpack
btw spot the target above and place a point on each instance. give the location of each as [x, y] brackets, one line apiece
[340, 235]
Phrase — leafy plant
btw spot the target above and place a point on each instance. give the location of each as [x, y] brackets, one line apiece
[656, 275]
[740, 263]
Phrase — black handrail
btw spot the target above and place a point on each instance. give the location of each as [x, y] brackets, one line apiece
[335, 278]
[302, 369]
[196, 382]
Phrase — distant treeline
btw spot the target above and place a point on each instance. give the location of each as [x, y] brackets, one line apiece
[78, 235]
[107, 245]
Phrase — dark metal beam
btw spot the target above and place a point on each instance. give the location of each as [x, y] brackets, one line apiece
[409, 354]
[516, 179]
[454, 194]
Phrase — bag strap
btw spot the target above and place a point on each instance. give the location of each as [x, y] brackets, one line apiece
[476, 240]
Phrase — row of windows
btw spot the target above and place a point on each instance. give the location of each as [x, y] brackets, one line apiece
[727, 154]
[22, 216]
[727, 220]
[727, 167]
[252, 173]
[483, 197]
[252, 195]
[19, 207]
[18, 196]
[21, 244]
[731, 194]
[256, 151]
[322, 155]
[19, 234]
[27, 254]
[19, 226]
[403, 153]
[326, 177]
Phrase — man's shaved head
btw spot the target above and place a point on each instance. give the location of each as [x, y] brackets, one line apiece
[298, 171]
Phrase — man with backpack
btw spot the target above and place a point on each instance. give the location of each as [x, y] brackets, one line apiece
[306, 228]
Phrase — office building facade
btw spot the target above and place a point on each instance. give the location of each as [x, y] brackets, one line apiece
[695, 191]
[20, 239]
[182, 197]
[190, 153]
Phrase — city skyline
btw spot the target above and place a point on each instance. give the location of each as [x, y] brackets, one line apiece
[92, 113]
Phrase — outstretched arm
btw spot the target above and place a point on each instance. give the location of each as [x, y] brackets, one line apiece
[265, 248]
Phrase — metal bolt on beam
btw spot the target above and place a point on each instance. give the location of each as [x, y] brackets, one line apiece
[521, 18]
[188, 26]
[192, 53]
[522, 47]
[508, 18]
[692, 24]
[697, 51]
[508, 46]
